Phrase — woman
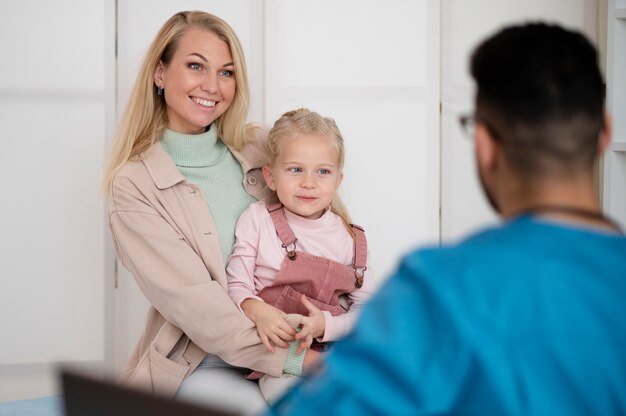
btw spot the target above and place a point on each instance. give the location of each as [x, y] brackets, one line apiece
[181, 170]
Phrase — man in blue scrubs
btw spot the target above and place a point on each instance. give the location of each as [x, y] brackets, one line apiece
[527, 318]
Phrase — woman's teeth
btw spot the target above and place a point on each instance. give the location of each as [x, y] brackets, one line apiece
[205, 103]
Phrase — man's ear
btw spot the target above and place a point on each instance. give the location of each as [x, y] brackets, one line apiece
[269, 178]
[486, 148]
[604, 140]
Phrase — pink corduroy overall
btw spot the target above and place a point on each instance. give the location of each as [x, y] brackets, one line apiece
[322, 280]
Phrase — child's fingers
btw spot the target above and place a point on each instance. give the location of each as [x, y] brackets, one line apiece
[285, 336]
[266, 342]
[286, 328]
[277, 341]
[310, 307]
[302, 334]
[306, 328]
[304, 344]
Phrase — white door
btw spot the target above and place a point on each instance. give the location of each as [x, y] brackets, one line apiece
[464, 25]
[374, 67]
[55, 263]
[615, 158]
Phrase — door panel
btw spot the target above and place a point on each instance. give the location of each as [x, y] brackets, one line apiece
[615, 156]
[464, 26]
[373, 67]
[55, 105]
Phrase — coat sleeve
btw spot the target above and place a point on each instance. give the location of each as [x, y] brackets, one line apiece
[177, 283]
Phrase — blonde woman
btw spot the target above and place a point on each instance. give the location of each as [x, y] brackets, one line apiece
[299, 253]
[182, 169]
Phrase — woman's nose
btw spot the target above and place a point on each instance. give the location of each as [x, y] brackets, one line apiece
[210, 83]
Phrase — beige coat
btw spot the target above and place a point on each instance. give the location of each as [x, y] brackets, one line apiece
[164, 235]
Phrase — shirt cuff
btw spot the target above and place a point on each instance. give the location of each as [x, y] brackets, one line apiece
[329, 335]
[247, 297]
[294, 362]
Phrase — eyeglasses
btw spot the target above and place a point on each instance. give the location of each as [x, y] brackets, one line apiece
[468, 125]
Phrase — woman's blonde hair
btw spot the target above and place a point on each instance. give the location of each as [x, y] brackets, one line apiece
[304, 121]
[145, 117]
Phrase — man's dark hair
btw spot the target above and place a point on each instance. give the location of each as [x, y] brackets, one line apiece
[541, 93]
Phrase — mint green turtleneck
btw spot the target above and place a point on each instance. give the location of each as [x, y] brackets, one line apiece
[204, 160]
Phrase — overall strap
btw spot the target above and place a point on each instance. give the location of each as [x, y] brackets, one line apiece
[359, 261]
[277, 213]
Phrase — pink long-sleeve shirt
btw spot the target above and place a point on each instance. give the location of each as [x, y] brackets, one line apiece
[257, 256]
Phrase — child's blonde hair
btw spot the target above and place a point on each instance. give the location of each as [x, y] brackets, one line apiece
[145, 117]
[308, 122]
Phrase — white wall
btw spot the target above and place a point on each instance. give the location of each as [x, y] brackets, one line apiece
[55, 106]
[373, 67]
[464, 25]
[615, 159]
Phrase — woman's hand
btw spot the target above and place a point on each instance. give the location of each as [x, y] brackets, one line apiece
[313, 326]
[270, 323]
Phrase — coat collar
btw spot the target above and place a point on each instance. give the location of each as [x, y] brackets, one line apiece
[165, 174]
[161, 167]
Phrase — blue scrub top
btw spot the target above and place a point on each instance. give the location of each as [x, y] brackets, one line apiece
[528, 318]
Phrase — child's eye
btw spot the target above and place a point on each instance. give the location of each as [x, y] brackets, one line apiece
[294, 170]
[226, 73]
[195, 66]
[325, 171]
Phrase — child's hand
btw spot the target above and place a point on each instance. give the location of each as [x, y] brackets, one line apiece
[313, 326]
[270, 323]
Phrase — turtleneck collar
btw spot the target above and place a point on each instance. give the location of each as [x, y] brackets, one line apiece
[194, 150]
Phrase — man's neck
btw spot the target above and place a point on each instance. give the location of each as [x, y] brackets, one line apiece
[571, 200]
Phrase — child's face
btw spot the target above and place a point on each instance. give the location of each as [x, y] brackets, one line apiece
[305, 174]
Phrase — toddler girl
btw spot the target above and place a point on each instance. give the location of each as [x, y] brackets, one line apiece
[298, 252]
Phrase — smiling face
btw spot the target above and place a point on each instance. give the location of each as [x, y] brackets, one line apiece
[305, 174]
[199, 82]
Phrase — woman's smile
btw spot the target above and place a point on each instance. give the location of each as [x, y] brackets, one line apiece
[203, 102]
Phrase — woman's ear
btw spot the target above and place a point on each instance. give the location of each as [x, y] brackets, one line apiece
[269, 178]
[158, 75]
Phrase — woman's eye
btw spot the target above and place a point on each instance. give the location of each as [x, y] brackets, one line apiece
[226, 73]
[195, 67]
